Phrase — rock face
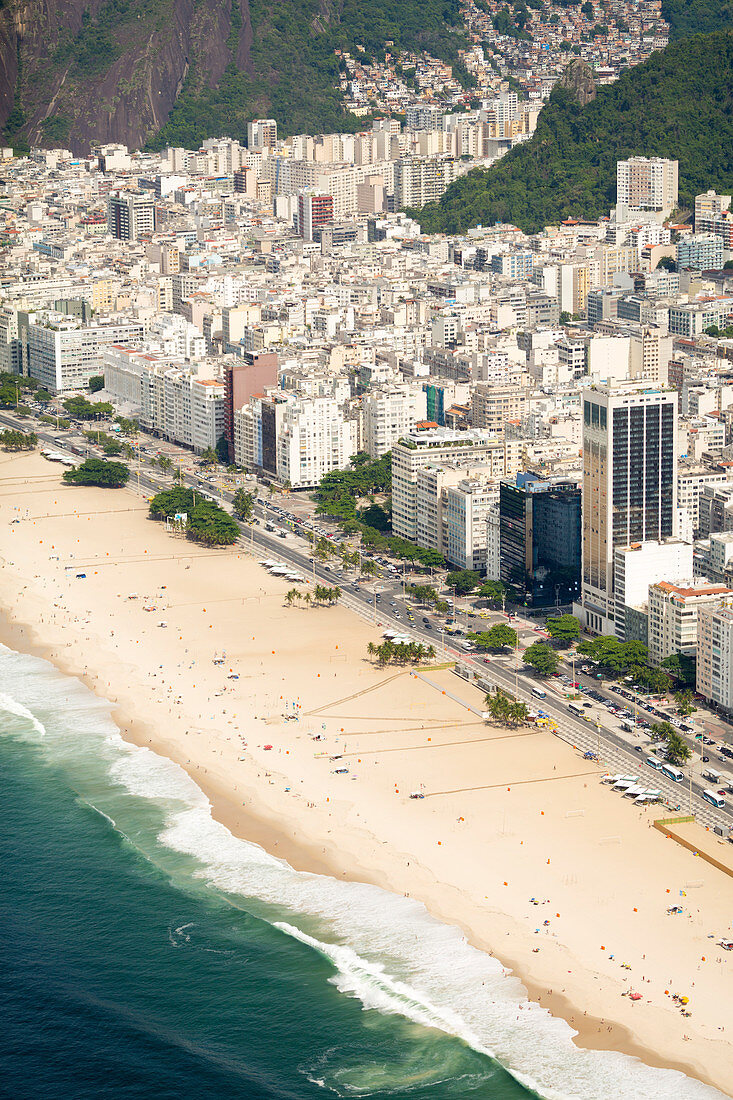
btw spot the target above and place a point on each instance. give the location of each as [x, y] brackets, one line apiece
[77, 71]
[578, 79]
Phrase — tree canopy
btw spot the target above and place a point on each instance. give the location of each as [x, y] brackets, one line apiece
[498, 636]
[463, 580]
[542, 658]
[82, 409]
[97, 471]
[13, 440]
[563, 630]
[677, 104]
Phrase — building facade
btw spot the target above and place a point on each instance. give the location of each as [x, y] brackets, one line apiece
[540, 538]
[629, 484]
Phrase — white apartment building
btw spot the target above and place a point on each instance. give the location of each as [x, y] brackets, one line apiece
[389, 414]
[645, 185]
[715, 653]
[673, 611]
[692, 318]
[690, 482]
[637, 566]
[63, 353]
[171, 399]
[262, 134]
[470, 526]
[130, 215]
[438, 447]
[175, 336]
[419, 180]
[314, 438]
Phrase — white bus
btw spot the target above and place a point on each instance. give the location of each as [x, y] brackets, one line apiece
[714, 799]
[672, 773]
[576, 709]
[539, 693]
[652, 762]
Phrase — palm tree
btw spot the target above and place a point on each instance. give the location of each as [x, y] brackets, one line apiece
[307, 598]
[335, 594]
[430, 652]
[372, 649]
[291, 595]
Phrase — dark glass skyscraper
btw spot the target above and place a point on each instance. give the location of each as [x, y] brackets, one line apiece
[540, 538]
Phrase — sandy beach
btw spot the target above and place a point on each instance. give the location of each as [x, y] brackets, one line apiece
[516, 840]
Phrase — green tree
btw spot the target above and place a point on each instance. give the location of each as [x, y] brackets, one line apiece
[563, 630]
[96, 471]
[678, 751]
[96, 383]
[685, 702]
[211, 525]
[171, 502]
[542, 658]
[209, 457]
[376, 517]
[165, 463]
[243, 505]
[222, 449]
[499, 636]
[82, 409]
[505, 709]
[492, 591]
[463, 580]
[13, 440]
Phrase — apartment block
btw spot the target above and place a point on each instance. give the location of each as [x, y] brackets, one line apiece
[389, 414]
[715, 654]
[673, 612]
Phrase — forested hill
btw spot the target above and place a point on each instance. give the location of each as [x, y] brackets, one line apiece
[178, 71]
[678, 104]
[686, 17]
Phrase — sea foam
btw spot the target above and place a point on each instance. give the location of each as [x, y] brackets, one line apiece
[385, 950]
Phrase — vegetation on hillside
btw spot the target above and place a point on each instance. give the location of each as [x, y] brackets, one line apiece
[678, 104]
[686, 17]
[293, 72]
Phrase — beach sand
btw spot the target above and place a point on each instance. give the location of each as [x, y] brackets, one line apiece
[508, 815]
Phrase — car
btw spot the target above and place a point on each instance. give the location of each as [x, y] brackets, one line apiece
[706, 759]
[587, 704]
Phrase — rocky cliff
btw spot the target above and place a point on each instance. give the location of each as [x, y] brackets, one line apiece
[578, 80]
[74, 71]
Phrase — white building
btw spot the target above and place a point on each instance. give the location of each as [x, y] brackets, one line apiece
[673, 611]
[438, 447]
[181, 403]
[389, 414]
[64, 353]
[715, 653]
[470, 526]
[314, 438]
[637, 566]
[645, 186]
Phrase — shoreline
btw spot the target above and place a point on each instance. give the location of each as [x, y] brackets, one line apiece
[283, 836]
[592, 1033]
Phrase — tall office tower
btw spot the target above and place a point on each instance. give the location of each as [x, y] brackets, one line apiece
[130, 215]
[262, 133]
[629, 484]
[314, 211]
[645, 184]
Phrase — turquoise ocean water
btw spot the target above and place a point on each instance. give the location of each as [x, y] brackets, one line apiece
[147, 953]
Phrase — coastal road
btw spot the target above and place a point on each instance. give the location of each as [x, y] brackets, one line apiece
[382, 603]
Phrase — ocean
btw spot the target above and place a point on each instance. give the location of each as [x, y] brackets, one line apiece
[148, 953]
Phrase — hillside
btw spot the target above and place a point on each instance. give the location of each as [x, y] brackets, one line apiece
[73, 71]
[677, 104]
[687, 17]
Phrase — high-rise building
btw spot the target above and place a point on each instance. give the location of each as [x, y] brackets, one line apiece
[314, 211]
[645, 184]
[715, 653]
[243, 378]
[700, 251]
[390, 413]
[262, 133]
[130, 215]
[673, 614]
[629, 484]
[539, 537]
